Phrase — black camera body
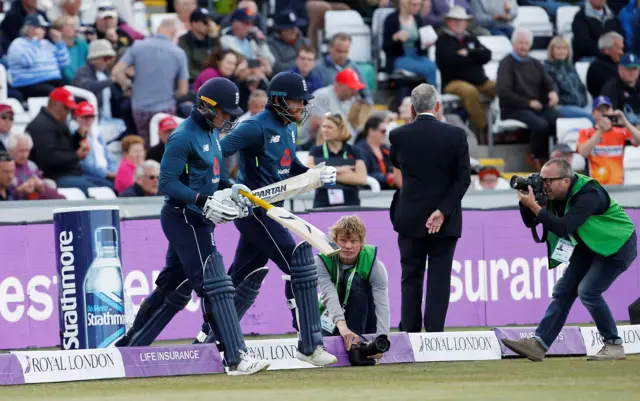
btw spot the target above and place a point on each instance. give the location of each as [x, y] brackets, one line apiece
[537, 185]
[359, 353]
[615, 120]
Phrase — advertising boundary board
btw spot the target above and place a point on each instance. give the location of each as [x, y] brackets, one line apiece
[59, 366]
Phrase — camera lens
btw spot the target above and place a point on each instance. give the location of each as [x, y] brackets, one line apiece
[382, 344]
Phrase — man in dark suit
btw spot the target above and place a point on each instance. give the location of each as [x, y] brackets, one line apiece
[427, 212]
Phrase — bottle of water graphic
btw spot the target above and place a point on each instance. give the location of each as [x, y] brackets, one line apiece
[103, 289]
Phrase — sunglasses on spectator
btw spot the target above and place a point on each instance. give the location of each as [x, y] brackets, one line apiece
[7, 117]
[335, 116]
[152, 177]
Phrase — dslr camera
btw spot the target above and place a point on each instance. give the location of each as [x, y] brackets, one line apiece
[535, 182]
[359, 353]
[615, 120]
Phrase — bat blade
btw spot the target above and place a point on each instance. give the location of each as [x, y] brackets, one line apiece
[290, 187]
[319, 240]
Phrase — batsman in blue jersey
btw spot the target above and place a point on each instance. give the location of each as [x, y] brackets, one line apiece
[198, 195]
[267, 154]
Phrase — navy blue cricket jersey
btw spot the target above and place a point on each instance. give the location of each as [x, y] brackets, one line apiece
[267, 149]
[192, 163]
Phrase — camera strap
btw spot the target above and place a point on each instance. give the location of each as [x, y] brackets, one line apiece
[347, 290]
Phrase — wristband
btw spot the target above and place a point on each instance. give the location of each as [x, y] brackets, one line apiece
[200, 201]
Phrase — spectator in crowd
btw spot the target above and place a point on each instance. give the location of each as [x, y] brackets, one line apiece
[165, 128]
[460, 57]
[28, 179]
[99, 162]
[353, 285]
[257, 103]
[146, 180]
[124, 9]
[250, 5]
[335, 151]
[248, 42]
[286, 39]
[528, 94]
[571, 90]
[199, 42]
[35, 64]
[77, 47]
[6, 123]
[249, 77]
[603, 145]
[315, 11]
[605, 65]
[496, 15]
[59, 8]
[184, 11]
[14, 20]
[402, 44]
[162, 76]
[305, 64]
[359, 113]
[375, 153]
[107, 27]
[562, 151]
[133, 156]
[337, 60]
[628, 18]
[589, 24]
[7, 172]
[434, 15]
[624, 90]
[489, 178]
[336, 98]
[221, 63]
[55, 150]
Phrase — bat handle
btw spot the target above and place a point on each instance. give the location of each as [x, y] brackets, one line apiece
[263, 204]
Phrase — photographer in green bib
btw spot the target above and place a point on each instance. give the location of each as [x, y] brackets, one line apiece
[353, 285]
[590, 231]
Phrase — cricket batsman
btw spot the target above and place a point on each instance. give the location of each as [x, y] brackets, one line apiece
[198, 196]
[267, 154]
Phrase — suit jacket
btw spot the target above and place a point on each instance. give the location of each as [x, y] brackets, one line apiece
[434, 159]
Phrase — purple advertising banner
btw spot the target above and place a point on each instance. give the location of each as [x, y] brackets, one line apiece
[569, 341]
[399, 352]
[174, 360]
[500, 277]
[10, 370]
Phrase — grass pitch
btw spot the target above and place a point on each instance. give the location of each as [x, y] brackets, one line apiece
[561, 379]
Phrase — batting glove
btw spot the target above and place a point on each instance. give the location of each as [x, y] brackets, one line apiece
[328, 176]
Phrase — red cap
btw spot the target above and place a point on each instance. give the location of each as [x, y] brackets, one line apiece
[6, 108]
[63, 96]
[167, 123]
[349, 78]
[84, 109]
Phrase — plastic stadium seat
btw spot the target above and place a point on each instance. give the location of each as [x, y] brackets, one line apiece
[154, 126]
[350, 22]
[499, 45]
[373, 184]
[35, 104]
[72, 193]
[582, 67]
[564, 20]
[377, 30]
[4, 78]
[102, 193]
[491, 70]
[632, 157]
[536, 19]
[567, 130]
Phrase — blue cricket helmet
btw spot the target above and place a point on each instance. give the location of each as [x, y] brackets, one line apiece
[289, 85]
[220, 92]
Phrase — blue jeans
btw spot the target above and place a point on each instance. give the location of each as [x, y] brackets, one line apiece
[504, 30]
[417, 64]
[569, 111]
[83, 182]
[360, 313]
[587, 276]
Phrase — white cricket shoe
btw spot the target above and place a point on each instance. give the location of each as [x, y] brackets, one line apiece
[248, 366]
[320, 357]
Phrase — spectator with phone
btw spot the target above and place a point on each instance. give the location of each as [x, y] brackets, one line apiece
[624, 89]
[603, 145]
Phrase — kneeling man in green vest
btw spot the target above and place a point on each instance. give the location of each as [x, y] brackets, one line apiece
[591, 232]
[353, 286]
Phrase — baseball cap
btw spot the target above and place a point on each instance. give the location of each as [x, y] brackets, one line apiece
[349, 78]
[287, 20]
[488, 170]
[562, 148]
[200, 15]
[629, 60]
[601, 101]
[84, 109]
[106, 9]
[6, 108]
[35, 20]
[63, 96]
[167, 123]
[242, 14]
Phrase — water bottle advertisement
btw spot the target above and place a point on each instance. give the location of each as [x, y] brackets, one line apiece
[91, 297]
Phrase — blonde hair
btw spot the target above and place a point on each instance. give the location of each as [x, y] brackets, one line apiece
[348, 225]
[339, 120]
[359, 113]
[63, 21]
[556, 41]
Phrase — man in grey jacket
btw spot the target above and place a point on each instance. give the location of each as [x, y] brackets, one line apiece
[353, 285]
[495, 15]
[286, 40]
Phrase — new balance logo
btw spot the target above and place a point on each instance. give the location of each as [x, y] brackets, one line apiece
[205, 148]
[274, 139]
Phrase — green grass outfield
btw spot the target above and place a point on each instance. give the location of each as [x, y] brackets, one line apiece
[562, 379]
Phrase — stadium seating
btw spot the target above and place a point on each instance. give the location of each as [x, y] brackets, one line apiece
[567, 130]
[154, 126]
[72, 193]
[631, 165]
[350, 22]
[102, 193]
[499, 45]
[564, 20]
[535, 19]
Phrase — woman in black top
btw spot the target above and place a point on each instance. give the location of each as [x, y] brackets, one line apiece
[375, 153]
[335, 151]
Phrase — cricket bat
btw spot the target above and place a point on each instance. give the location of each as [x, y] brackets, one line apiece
[291, 187]
[303, 229]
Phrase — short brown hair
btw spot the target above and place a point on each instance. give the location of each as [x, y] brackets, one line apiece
[306, 49]
[348, 225]
[130, 140]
